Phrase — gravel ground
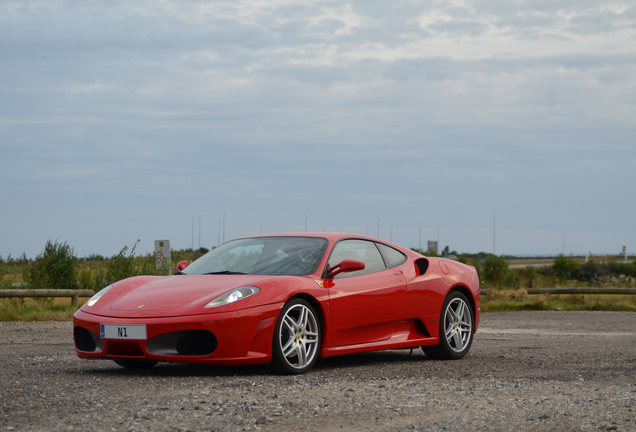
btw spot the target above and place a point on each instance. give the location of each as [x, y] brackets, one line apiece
[527, 371]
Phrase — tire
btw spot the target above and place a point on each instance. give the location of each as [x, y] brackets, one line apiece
[455, 329]
[136, 364]
[297, 338]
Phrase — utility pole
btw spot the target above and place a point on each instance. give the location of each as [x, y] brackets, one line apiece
[193, 218]
[200, 217]
[224, 215]
[493, 233]
[419, 234]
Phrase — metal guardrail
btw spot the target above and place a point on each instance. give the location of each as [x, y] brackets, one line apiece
[72, 293]
[615, 291]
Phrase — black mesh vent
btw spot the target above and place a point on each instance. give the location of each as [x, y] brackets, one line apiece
[196, 343]
[83, 340]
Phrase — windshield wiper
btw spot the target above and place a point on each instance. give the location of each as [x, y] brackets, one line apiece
[225, 272]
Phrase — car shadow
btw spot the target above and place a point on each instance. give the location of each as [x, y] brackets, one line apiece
[323, 365]
[167, 369]
[371, 358]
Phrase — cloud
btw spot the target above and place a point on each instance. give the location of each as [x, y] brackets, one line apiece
[114, 113]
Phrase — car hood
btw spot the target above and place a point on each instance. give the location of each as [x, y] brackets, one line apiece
[144, 297]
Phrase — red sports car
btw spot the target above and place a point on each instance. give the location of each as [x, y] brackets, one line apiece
[286, 300]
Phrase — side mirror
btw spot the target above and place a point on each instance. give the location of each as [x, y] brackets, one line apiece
[346, 266]
[182, 265]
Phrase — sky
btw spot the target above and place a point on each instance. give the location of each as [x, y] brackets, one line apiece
[505, 127]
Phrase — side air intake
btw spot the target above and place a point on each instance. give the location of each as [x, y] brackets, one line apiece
[422, 265]
[86, 340]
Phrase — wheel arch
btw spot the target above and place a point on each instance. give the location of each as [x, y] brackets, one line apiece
[324, 319]
[464, 290]
[314, 303]
[444, 349]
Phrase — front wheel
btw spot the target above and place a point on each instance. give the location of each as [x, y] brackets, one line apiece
[455, 329]
[296, 338]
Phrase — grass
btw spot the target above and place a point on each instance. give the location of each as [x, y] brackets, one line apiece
[37, 309]
[519, 300]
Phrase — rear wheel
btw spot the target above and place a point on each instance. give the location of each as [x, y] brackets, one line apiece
[455, 329]
[296, 338]
[135, 364]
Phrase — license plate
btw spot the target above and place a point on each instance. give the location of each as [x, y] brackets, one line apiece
[113, 331]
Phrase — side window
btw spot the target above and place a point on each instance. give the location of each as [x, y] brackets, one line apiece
[393, 256]
[360, 250]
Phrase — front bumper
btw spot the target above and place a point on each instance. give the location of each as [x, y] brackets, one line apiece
[228, 338]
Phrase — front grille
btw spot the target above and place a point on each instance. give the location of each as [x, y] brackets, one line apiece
[196, 343]
[83, 340]
[128, 348]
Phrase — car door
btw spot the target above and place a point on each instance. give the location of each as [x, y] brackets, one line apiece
[365, 304]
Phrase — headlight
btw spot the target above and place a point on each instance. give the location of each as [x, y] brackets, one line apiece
[232, 296]
[97, 296]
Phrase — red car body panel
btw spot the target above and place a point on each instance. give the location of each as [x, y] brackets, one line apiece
[394, 308]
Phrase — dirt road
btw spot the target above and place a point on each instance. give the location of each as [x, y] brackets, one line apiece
[528, 371]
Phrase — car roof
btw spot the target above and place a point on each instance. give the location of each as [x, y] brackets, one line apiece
[332, 236]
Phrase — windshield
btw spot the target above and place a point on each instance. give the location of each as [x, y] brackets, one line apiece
[262, 256]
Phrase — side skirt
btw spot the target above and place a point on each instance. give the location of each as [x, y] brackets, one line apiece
[408, 334]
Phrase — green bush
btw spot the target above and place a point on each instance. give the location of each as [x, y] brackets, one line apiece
[124, 265]
[5, 282]
[531, 275]
[121, 266]
[55, 268]
[564, 267]
[151, 265]
[495, 268]
[85, 279]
